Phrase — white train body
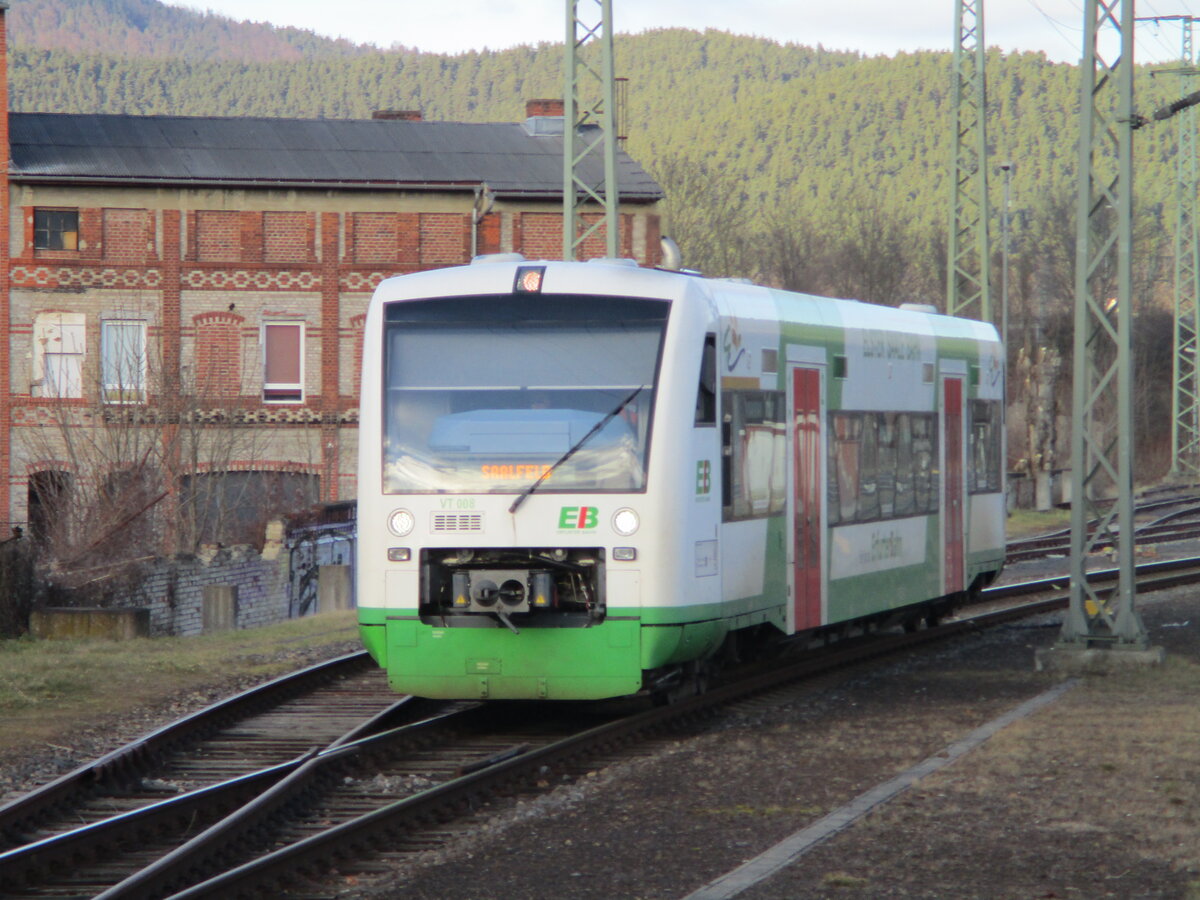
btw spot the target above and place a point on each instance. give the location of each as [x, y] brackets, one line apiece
[758, 462]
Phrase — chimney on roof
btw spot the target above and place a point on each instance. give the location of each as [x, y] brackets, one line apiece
[543, 108]
[401, 115]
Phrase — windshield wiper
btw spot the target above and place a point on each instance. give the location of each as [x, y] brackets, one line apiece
[516, 504]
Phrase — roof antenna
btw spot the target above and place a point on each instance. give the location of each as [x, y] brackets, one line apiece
[672, 256]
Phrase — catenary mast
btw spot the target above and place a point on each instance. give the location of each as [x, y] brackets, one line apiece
[589, 119]
[967, 277]
[1185, 375]
[1101, 416]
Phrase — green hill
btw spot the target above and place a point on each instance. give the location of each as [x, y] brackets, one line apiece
[132, 28]
[815, 170]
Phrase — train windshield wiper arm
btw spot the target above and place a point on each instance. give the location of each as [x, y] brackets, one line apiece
[516, 504]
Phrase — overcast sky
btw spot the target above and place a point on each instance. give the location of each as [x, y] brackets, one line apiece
[871, 26]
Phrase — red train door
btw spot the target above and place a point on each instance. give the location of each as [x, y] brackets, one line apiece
[806, 497]
[952, 512]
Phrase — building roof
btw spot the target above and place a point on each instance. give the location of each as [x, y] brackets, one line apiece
[323, 153]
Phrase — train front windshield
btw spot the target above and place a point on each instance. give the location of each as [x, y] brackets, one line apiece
[488, 394]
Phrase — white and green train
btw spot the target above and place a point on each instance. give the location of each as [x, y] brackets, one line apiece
[585, 480]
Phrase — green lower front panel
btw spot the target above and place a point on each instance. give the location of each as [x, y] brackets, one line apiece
[496, 664]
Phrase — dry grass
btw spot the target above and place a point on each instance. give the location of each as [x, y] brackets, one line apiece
[844, 881]
[47, 687]
[1024, 523]
[1107, 772]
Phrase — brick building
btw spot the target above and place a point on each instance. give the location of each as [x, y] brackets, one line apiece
[210, 276]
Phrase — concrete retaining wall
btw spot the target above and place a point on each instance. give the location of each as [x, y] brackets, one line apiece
[90, 623]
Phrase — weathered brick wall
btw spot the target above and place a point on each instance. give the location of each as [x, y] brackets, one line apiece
[217, 234]
[205, 269]
[288, 237]
[5, 322]
[375, 237]
[96, 304]
[127, 235]
[445, 239]
[218, 354]
[253, 308]
[540, 236]
[173, 589]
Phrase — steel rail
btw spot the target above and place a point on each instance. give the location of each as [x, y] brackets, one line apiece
[1152, 533]
[135, 758]
[270, 792]
[382, 827]
[295, 793]
[35, 863]
[1040, 545]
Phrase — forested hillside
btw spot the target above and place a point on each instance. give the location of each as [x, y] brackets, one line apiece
[775, 155]
[810, 169]
[149, 28]
[813, 170]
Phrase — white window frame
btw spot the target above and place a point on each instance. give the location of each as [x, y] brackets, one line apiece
[283, 391]
[129, 384]
[59, 343]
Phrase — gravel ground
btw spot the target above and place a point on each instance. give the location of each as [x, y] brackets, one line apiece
[1094, 796]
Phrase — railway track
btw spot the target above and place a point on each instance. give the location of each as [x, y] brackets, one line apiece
[1161, 528]
[370, 801]
[241, 736]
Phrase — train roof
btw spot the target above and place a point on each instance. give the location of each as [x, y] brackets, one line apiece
[728, 296]
[512, 159]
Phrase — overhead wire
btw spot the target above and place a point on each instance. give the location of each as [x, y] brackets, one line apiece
[1061, 28]
[1165, 50]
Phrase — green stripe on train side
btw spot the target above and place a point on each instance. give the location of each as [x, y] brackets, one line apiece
[863, 595]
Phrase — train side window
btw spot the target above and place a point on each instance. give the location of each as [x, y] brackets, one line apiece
[984, 463]
[881, 466]
[754, 454]
[885, 482]
[868, 477]
[727, 457]
[844, 462]
[925, 483]
[905, 499]
[706, 390]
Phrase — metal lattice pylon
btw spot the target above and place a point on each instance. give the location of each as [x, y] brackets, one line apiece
[1101, 414]
[589, 118]
[1185, 394]
[968, 268]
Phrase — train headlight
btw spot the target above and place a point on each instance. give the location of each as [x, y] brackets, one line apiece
[625, 521]
[401, 522]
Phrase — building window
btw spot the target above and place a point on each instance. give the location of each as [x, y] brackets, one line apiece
[123, 360]
[58, 345]
[56, 229]
[49, 499]
[283, 362]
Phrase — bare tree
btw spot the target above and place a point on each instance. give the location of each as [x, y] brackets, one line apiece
[148, 462]
[707, 212]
